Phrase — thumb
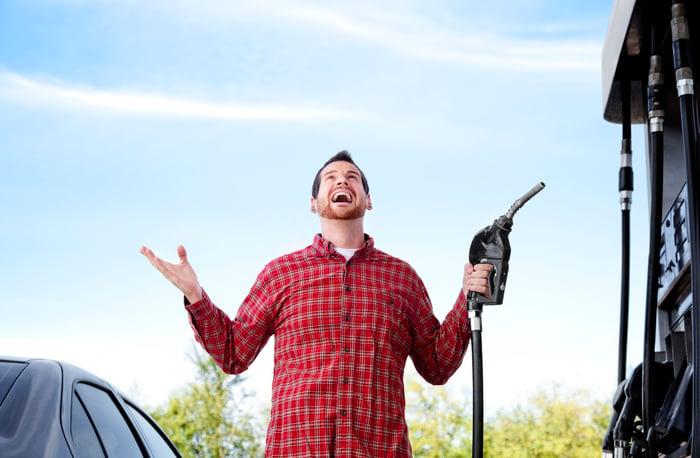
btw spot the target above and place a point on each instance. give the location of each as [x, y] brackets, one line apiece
[182, 253]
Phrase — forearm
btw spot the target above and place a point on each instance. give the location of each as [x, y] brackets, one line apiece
[233, 344]
[213, 329]
[439, 354]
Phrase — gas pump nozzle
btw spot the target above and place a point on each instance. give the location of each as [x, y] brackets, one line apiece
[491, 246]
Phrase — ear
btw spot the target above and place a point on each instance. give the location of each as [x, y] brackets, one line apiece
[369, 202]
[313, 205]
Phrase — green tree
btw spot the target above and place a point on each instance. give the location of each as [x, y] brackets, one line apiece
[440, 425]
[554, 423]
[208, 418]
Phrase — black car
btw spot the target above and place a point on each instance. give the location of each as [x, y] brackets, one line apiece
[50, 408]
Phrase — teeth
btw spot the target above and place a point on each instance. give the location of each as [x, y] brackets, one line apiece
[341, 196]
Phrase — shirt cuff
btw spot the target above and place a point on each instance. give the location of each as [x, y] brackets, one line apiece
[199, 305]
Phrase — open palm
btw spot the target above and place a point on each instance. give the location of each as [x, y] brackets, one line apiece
[181, 275]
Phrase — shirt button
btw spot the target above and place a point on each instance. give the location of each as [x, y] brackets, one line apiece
[343, 412]
[346, 380]
[347, 318]
[347, 288]
[347, 349]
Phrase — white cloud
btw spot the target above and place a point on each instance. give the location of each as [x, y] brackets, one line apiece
[27, 91]
[416, 37]
[432, 35]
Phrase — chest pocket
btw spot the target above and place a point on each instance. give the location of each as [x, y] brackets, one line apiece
[383, 317]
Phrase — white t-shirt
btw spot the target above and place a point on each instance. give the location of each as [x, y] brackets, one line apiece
[346, 252]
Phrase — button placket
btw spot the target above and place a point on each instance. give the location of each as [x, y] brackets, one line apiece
[346, 359]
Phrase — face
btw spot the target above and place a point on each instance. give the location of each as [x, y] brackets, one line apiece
[340, 192]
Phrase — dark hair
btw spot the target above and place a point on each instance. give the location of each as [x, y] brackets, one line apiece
[341, 156]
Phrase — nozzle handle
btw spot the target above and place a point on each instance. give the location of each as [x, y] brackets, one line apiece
[520, 202]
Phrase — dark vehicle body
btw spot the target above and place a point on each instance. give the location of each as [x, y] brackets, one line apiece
[50, 408]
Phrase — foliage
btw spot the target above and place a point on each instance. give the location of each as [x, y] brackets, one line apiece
[553, 423]
[439, 426]
[207, 418]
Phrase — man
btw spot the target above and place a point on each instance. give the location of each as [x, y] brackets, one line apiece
[345, 316]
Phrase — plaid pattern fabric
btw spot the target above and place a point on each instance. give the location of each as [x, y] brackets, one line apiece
[343, 332]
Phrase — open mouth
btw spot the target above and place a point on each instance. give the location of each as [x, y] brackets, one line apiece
[341, 196]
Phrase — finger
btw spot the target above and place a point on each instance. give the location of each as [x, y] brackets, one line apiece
[182, 253]
[148, 253]
[485, 267]
[479, 274]
[483, 270]
[480, 289]
[155, 261]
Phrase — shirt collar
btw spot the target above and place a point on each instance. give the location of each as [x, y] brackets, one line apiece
[326, 248]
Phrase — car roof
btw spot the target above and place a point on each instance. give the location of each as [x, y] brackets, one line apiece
[70, 371]
[54, 378]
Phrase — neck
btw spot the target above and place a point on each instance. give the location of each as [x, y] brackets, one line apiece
[343, 233]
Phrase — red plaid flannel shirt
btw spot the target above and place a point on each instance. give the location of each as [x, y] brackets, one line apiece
[343, 332]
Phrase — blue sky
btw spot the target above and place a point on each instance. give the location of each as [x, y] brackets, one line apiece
[202, 123]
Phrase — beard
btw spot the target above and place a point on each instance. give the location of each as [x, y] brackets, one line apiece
[326, 210]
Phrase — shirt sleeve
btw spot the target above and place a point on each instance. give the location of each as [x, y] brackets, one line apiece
[233, 344]
[439, 349]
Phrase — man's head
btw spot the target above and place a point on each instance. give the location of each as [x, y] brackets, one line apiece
[341, 156]
[340, 189]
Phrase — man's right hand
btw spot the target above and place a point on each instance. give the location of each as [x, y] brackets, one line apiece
[181, 275]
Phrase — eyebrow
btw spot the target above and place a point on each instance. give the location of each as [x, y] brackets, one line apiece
[332, 171]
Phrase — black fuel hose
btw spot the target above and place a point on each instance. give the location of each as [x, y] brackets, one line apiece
[655, 123]
[474, 310]
[685, 86]
[626, 187]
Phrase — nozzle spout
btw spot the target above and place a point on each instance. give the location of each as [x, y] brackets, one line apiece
[520, 202]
